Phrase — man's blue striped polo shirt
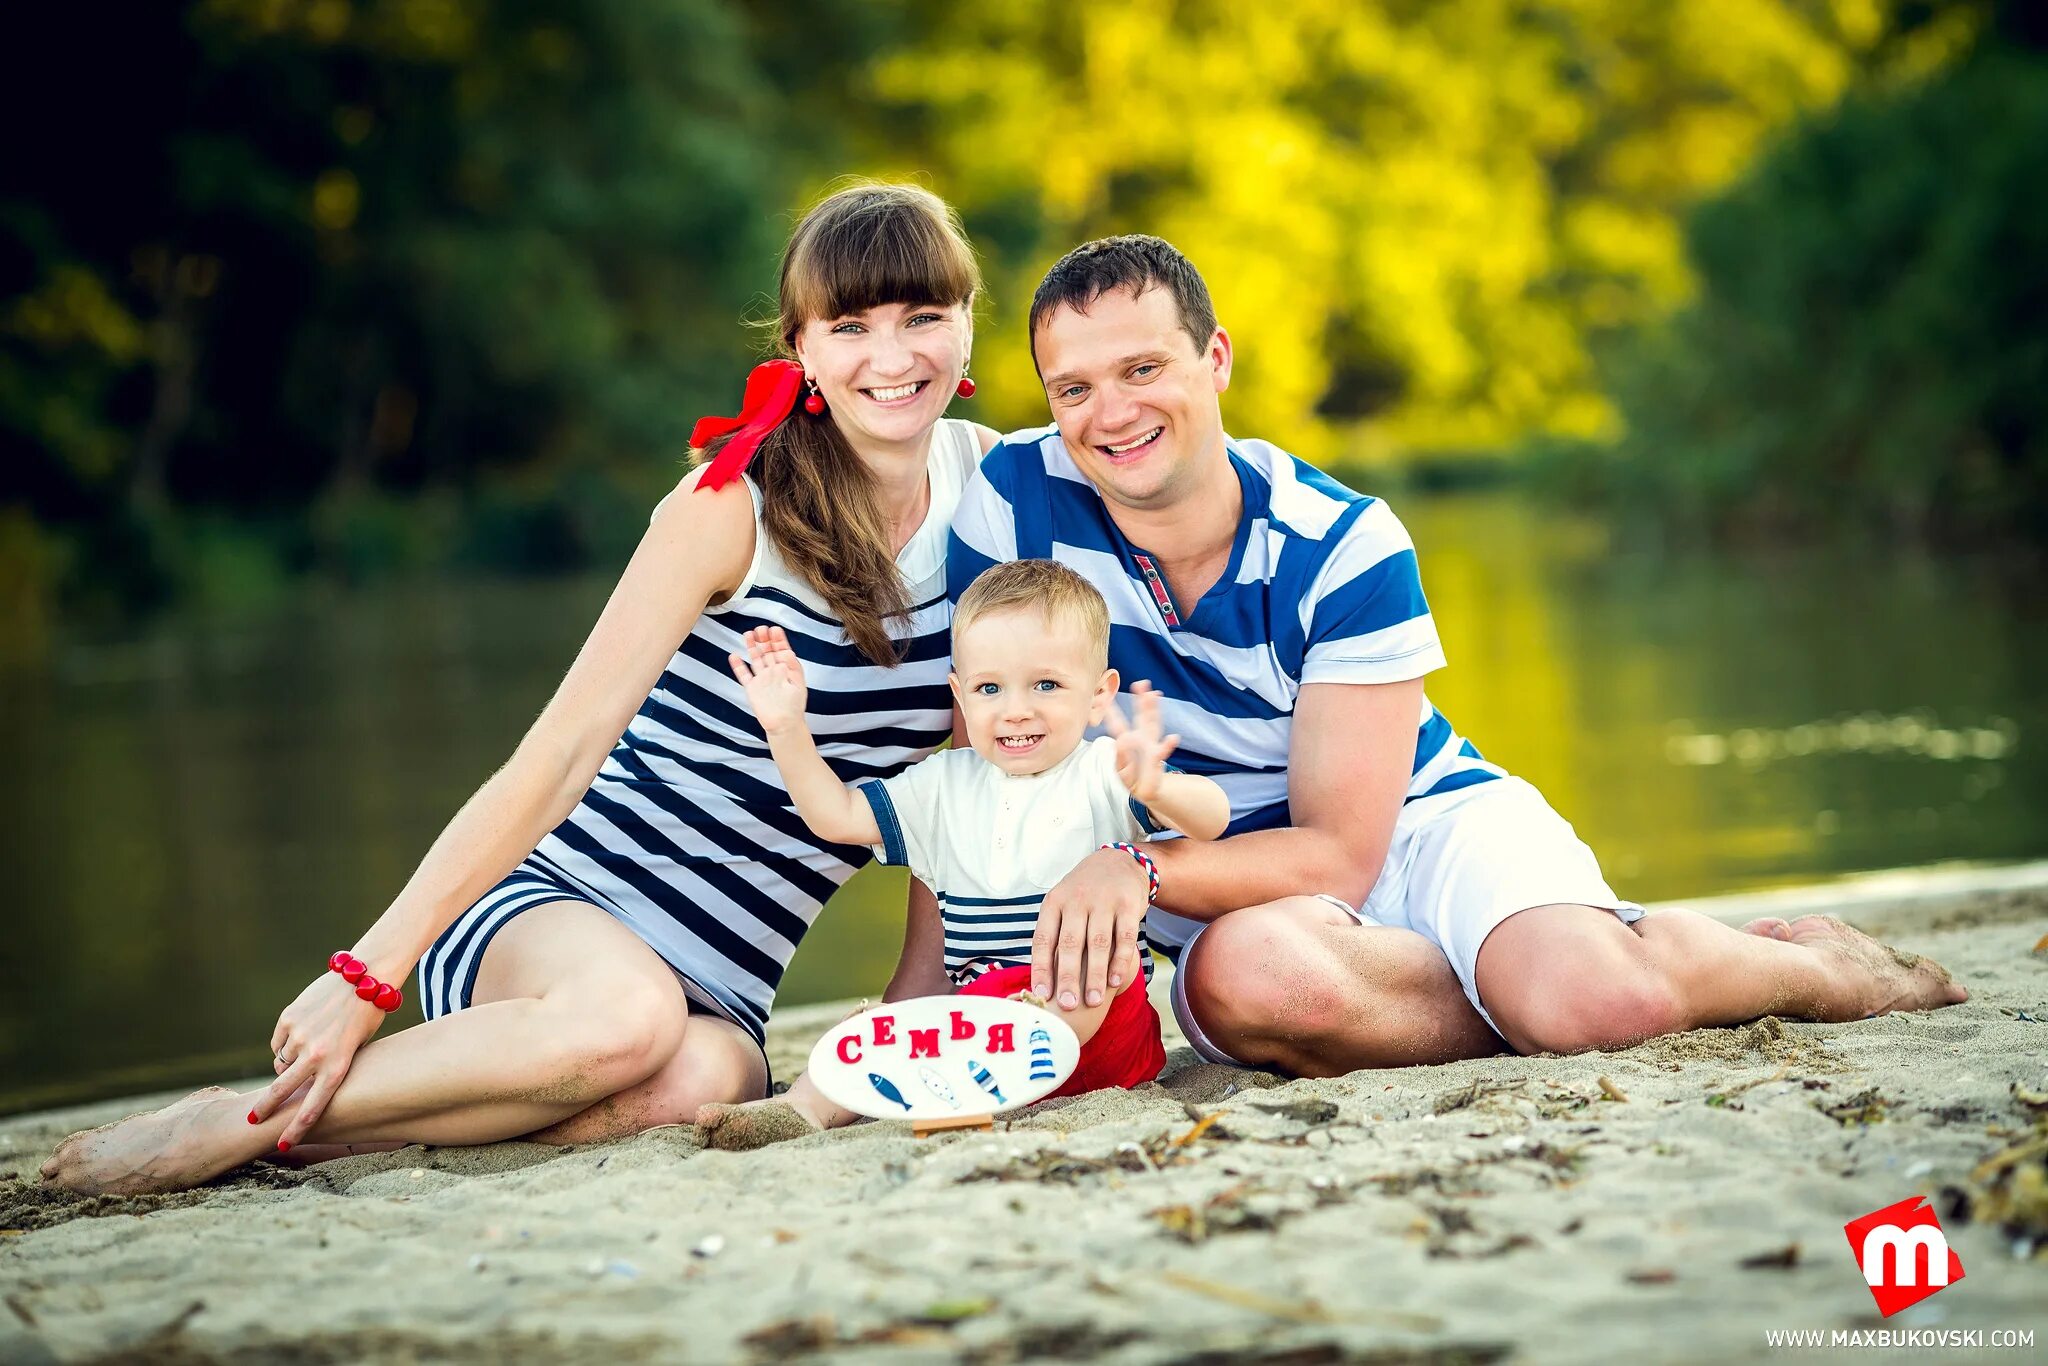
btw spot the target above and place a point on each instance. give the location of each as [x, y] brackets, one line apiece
[1321, 587]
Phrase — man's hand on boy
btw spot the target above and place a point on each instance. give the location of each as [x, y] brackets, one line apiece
[1141, 749]
[1086, 943]
[773, 677]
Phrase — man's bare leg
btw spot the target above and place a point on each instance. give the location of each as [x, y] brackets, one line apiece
[1299, 986]
[1562, 979]
[570, 1007]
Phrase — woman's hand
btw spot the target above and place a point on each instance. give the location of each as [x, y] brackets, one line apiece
[1140, 748]
[313, 1046]
[773, 677]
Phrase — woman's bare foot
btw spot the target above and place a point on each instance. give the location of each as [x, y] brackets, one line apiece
[1876, 977]
[756, 1124]
[1769, 927]
[185, 1143]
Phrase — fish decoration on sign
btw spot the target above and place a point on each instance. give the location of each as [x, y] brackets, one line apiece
[887, 1089]
[984, 1080]
[936, 1084]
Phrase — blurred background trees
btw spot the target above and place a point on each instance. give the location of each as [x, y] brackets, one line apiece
[353, 286]
[297, 294]
[361, 284]
[1414, 215]
[1869, 342]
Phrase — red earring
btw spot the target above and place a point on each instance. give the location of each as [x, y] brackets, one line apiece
[815, 404]
[965, 388]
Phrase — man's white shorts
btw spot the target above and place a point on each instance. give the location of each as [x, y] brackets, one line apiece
[1459, 865]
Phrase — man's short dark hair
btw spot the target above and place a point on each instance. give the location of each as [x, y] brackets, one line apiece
[1134, 262]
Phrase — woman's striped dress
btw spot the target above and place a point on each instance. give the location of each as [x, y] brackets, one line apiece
[687, 835]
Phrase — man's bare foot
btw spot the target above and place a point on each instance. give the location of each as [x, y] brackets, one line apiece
[1877, 978]
[175, 1148]
[756, 1124]
[1769, 927]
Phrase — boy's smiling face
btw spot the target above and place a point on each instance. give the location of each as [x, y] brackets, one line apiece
[1028, 687]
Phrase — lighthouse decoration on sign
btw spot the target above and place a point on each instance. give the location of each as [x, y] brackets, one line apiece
[944, 1062]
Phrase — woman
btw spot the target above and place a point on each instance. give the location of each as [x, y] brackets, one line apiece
[600, 930]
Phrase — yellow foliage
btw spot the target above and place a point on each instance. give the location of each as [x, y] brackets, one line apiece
[336, 199]
[74, 307]
[1454, 193]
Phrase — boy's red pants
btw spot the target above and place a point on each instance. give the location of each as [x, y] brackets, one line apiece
[1125, 1051]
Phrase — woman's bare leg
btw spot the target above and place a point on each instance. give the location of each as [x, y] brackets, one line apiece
[800, 1111]
[313, 1154]
[570, 1007]
[717, 1062]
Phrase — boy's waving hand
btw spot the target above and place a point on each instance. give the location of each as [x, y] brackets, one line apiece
[773, 677]
[1141, 750]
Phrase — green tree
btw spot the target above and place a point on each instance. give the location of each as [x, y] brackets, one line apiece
[1867, 346]
[348, 250]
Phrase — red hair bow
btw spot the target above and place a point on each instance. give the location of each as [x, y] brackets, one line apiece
[772, 388]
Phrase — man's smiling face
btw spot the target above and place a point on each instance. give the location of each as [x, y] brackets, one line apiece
[1136, 401]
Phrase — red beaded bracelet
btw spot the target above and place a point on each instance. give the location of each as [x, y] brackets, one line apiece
[356, 973]
[1144, 861]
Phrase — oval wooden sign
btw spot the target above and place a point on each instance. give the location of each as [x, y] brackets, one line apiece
[944, 1057]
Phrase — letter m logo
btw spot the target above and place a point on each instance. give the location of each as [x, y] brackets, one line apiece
[1903, 1253]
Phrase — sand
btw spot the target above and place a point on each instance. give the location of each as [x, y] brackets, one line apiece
[1671, 1201]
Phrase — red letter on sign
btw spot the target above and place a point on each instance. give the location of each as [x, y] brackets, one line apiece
[885, 1029]
[849, 1049]
[1002, 1038]
[961, 1028]
[924, 1043]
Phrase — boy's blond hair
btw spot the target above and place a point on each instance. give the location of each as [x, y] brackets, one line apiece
[1051, 588]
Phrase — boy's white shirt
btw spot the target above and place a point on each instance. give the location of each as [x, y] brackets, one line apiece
[967, 829]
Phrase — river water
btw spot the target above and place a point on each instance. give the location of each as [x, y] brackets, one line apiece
[194, 815]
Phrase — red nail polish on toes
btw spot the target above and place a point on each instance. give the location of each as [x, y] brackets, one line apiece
[283, 1146]
[253, 1119]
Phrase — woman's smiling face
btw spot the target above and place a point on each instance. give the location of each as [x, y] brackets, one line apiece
[888, 373]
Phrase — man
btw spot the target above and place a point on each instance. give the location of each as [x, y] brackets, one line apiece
[1281, 617]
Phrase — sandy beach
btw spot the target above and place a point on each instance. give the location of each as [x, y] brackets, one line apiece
[1672, 1201]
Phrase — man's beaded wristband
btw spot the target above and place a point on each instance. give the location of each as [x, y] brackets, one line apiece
[1144, 861]
[356, 973]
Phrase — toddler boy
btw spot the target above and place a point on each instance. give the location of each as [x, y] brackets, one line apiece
[991, 828]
